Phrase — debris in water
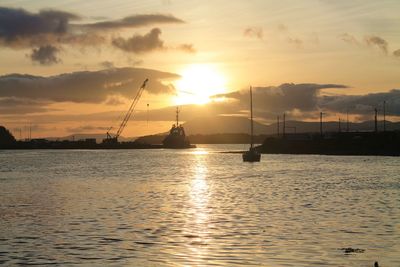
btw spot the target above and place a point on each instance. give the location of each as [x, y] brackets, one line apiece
[352, 250]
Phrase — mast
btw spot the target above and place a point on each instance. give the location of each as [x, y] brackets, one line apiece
[251, 117]
[177, 116]
[384, 116]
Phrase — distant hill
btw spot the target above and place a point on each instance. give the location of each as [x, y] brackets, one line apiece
[211, 129]
[223, 124]
[224, 129]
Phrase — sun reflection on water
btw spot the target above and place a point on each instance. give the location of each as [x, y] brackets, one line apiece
[198, 211]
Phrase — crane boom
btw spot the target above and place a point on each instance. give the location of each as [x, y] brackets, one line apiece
[131, 109]
[127, 115]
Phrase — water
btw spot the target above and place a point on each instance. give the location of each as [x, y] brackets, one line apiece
[197, 208]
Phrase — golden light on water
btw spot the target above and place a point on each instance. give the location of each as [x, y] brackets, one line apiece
[198, 83]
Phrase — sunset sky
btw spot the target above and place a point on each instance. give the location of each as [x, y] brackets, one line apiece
[74, 66]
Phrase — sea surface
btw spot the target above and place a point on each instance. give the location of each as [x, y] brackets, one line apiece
[197, 207]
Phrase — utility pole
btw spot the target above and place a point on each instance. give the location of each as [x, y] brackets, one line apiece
[340, 128]
[284, 124]
[347, 126]
[320, 123]
[384, 116]
[30, 131]
[376, 120]
[277, 125]
[147, 117]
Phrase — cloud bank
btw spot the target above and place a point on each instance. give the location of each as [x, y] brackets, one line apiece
[85, 86]
[46, 31]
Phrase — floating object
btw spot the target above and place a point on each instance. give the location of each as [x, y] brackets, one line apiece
[252, 155]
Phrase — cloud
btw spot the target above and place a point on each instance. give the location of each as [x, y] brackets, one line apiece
[295, 41]
[377, 41]
[22, 28]
[254, 32]
[107, 64]
[141, 43]
[13, 105]
[45, 55]
[361, 104]
[87, 128]
[284, 97]
[85, 86]
[134, 22]
[189, 48]
[370, 41]
[396, 53]
[348, 38]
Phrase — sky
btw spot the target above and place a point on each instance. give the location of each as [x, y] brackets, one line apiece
[74, 66]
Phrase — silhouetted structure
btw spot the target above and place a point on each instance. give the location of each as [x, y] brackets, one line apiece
[113, 140]
[177, 137]
[384, 116]
[353, 143]
[6, 138]
[252, 155]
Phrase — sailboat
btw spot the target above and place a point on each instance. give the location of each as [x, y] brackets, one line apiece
[252, 155]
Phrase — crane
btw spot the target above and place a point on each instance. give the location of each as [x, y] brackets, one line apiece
[114, 139]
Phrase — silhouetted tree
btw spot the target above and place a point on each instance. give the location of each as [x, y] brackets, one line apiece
[6, 138]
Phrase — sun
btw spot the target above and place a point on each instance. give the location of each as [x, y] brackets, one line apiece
[198, 83]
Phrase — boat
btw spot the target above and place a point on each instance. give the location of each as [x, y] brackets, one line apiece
[177, 137]
[252, 155]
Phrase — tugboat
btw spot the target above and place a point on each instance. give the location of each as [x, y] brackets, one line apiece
[252, 155]
[177, 137]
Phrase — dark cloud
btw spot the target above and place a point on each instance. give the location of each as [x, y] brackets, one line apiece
[134, 21]
[283, 98]
[85, 86]
[22, 28]
[361, 104]
[377, 41]
[13, 105]
[254, 32]
[141, 43]
[45, 55]
[396, 53]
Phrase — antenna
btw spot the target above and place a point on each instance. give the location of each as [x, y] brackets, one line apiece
[251, 116]
[384, 116]
[147, 114]
[277, 125]
[284, 124]
[320, 123]
[177, 116]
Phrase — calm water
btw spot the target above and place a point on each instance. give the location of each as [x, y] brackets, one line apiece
[197, 208]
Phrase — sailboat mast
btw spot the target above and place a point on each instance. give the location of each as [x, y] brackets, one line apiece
[177, 116]
[251, 117]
